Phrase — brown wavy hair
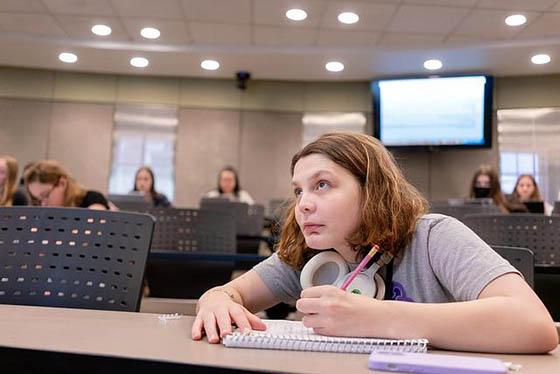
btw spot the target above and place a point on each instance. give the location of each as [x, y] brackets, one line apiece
[495, 189]
[50, 172]
[391, 205]
[9, 187]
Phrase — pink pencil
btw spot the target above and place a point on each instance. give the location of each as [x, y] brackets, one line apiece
[362, 264]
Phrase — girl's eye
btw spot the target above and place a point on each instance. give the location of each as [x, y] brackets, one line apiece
[322, 185]
[297, 192]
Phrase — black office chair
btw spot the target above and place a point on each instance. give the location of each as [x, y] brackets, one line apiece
[190, 230]
[522, 259]
[541, 234]
[74, 258]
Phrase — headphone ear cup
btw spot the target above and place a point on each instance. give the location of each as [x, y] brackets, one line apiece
[323, 269]
[379, 287]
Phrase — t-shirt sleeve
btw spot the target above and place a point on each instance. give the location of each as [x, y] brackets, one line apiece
[463, 263]
[94, 197]
[280, 278]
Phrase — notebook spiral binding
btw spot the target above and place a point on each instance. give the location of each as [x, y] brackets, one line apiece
[324, 343]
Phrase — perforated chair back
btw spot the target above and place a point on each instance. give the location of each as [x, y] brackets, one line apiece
[539, 233]
[522, 259]
[460, 211]
[193, 230]
[249, 219]
[71, 257]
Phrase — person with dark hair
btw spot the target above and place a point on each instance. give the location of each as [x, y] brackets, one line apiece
[144, 181]
[229, 187]
[486, 184]
[526, 189]
[440, 281]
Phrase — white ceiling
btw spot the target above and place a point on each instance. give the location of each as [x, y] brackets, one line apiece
[393, 37]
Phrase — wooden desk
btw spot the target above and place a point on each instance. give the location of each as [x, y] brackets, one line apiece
[140, 336]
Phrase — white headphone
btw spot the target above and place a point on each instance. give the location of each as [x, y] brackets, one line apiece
[330, 268]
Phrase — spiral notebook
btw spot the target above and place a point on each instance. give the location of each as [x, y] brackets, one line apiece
[293, 336]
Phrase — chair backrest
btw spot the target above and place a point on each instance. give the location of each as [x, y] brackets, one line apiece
[130, 203]
[539, 233]
[194, 230]
[460, 211]
[249, 219]
[522, 259]
[71, 257]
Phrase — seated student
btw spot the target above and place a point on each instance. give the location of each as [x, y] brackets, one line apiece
[145, 182]
[49, 184]
[447, 285]
[230, 187]
[526, 189]
[486, 184]
[9, 194]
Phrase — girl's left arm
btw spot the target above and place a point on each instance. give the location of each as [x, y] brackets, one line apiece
[507, 317]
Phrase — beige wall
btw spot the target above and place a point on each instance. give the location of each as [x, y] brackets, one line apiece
[69, 116]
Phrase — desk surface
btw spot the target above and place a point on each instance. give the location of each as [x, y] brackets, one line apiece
[143, 336]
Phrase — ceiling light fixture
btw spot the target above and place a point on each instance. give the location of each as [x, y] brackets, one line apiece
[540, 59]
[433, 64]
[68, 57]
[348, 18]
[334, 66]
[101, 30]
[150, 33]
[210, 65]
[516, 20]
[139, 62]
[296, 14]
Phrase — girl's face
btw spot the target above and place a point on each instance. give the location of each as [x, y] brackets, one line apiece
[3, 172]
[328, 204]
[227, 181]
[483, 181]
[144, 181]
[525, 188]
[49, 194]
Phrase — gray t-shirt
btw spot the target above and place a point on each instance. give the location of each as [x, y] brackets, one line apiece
[445, 262]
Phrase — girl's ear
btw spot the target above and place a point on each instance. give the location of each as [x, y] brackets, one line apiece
[63, 182]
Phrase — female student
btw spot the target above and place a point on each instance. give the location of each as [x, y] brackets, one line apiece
[447, 285]
[9, 194]
[526, 189]
[49, 184]
[230, 187]
[145, 182]
[486, 184]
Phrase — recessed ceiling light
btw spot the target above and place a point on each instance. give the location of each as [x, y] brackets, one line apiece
[540, 59]
[348, 18]
[101, 30]
[433, 64]
[516, 20]
[334, 66]
[150, 33]
[210, 65]
[296, 14]
[139, 62]
[68, 57]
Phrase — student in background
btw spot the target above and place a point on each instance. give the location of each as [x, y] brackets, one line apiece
[486, 184]
[144, 181]
[445, 283]
[230, 187]
[9, 194]
[49, 184]
[526, 189]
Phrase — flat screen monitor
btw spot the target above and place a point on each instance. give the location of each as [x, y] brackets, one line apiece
[451, 112]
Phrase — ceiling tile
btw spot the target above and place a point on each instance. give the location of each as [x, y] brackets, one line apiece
[219, 33]
[427, 19]
[544, 26]
[452, 3]
[27, 23]
[273, 12]
[372, 16]
[171, 31]
[285, 36]
[226, 11]
[80, 27]
[490, 23]
[342, 38]
[80, 7]
[516, 4]
[409, 40]
[160, 9]
[22, 6]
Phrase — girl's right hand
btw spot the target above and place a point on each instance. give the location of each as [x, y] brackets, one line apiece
[216, 313]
